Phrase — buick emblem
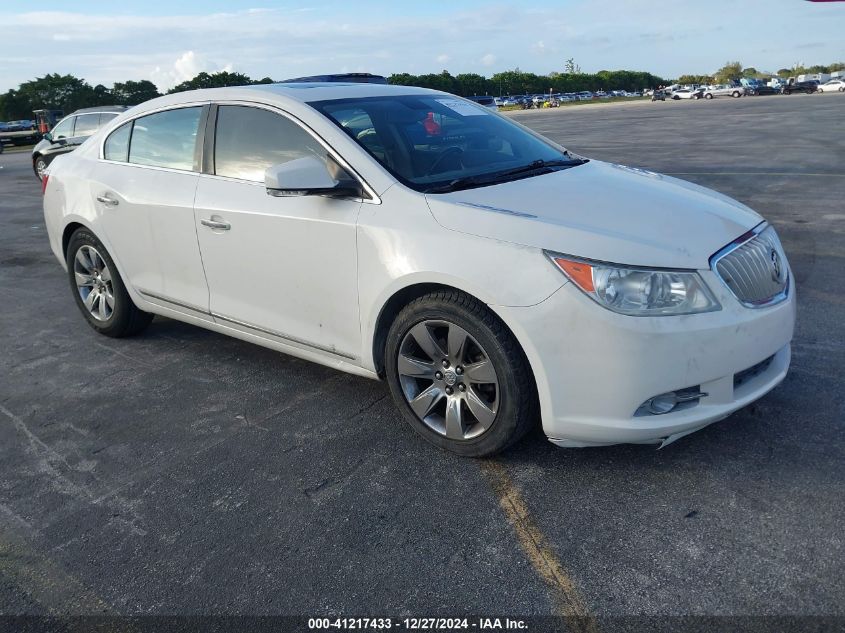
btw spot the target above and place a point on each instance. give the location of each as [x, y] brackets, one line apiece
[777, 267]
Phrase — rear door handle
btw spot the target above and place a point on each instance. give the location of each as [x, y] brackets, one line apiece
[107, 200]
[214, 224]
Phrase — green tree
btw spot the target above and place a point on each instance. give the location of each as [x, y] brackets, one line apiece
[213, 80]
[695, 79]
[470, 84]
[134, 92]
[730, 72]
[55, 92]
[571, 68]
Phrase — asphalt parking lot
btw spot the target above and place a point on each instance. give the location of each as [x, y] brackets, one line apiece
[182, 472]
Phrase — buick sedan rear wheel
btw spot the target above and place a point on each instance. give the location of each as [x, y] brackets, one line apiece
[99, 290]
[459, 376]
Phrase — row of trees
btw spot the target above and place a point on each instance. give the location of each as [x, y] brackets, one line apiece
[734, 71]
[69, 93]
[519, 82]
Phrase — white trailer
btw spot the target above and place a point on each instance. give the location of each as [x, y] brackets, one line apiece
[820, 77]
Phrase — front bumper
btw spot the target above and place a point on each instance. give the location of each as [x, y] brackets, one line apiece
[594, 368]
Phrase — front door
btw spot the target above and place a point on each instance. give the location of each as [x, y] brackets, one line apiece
[285, 268]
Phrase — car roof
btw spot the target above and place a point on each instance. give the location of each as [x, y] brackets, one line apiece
[285, 93]
[114, 108]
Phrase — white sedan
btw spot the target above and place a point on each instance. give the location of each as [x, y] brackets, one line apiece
[687, 93]
[834, 85]
[493, 279]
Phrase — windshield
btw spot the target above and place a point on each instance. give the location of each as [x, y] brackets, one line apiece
[428, 142]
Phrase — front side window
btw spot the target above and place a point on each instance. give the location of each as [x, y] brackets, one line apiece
[64, 129]
[166, 139]
[249, 140]
[117, 144]
[431, 142]
[86, 124]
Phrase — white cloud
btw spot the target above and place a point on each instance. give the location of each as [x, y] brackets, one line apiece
[666, 38]
[187, 66]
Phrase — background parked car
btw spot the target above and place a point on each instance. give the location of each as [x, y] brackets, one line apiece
[687, 93]
[808, 87]
[70, 133]
[723, 90]
[760, 90]
[834, 85]
[487, 102]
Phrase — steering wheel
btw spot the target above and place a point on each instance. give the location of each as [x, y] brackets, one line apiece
[449, 151]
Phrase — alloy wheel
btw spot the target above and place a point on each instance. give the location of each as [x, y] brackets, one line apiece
[40, 168]
[448, 379]
[94, 282]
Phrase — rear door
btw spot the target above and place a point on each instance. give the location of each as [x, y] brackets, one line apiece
[284, 268]
[144, 192]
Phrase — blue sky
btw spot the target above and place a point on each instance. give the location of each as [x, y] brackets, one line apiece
[168, 42]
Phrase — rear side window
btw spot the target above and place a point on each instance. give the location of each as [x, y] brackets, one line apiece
[117, 144]
[86, 124]
[166, 139]
[64, 129]
[249, 140]
[105, 117]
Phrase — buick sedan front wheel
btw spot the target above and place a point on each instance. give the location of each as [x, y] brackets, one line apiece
[459, 376]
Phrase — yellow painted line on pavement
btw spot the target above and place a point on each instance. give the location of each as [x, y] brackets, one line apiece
[566, 598]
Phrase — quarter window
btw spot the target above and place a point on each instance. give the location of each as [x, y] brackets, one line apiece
[86, 124]
[166, 139]
[249, 140]
[117, 144]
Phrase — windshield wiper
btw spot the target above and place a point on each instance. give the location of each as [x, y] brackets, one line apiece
[540, 165]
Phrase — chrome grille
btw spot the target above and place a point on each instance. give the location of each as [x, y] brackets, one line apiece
[755, 269]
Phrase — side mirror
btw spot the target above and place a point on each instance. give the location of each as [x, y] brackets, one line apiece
[48, 136]
[310, 176]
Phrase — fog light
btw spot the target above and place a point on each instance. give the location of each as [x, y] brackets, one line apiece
[663, 403]
[667, 402]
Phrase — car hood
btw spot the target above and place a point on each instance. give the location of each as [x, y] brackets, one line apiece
[602, 211]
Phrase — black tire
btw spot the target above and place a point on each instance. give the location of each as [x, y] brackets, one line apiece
[517, 410]
[708, 96]
[736, 94]
[126, 318]
[39, 159]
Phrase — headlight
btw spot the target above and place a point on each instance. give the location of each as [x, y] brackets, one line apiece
[638, 291]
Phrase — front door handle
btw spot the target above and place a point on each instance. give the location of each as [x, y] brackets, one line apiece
[215, 224]
[107, 200]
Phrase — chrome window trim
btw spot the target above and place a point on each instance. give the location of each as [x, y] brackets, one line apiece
[374, 197]
[726, 250]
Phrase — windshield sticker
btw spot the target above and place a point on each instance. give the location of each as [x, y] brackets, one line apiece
[463, 108]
